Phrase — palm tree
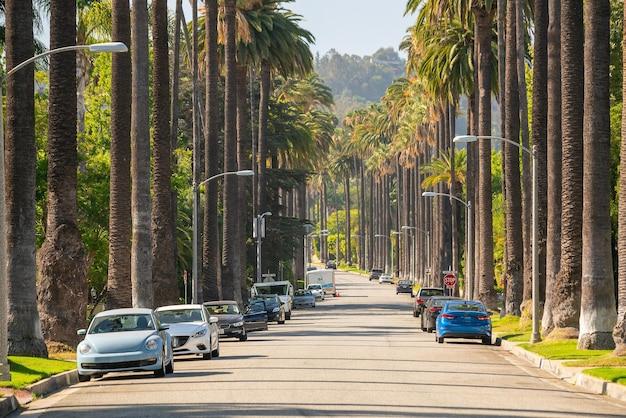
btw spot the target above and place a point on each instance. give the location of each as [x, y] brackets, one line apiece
[141, 259]
[244, 162]
[62, 259]
[619, 333]
[514, 242]
[230, 253]
[24, 330]
[597, 315]
[566, 287]
[164, 263]
[553, 230]
[210, 240]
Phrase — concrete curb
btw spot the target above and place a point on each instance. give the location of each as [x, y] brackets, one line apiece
[8, 405]
[54, 383]
[573, 375]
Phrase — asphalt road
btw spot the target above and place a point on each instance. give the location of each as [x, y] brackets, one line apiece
[358, 355]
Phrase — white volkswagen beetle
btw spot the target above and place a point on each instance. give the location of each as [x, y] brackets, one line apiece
[124, 340]
[193, 330]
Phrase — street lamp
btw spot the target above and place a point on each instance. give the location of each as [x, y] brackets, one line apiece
[469, 234]
[195, 281]
[309, 242]
[464, 139]
[260, 234]
[95, 48]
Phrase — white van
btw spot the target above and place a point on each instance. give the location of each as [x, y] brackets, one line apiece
[283, 289]
[325, 278]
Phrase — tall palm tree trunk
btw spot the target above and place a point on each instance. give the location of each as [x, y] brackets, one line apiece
[121, 291]
[230, 253]
[243, 163]
[265, 85]
[362, 218]
[566, 292]
[619, 332]
[323, 223]
[163, 264]
[553, 230]
[210, 238]
[597, 315]
[62, 259]
[513, 203]
[487, 292]
[371, 254]
[346, 189]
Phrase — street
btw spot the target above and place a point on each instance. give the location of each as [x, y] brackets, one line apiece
[360, 354]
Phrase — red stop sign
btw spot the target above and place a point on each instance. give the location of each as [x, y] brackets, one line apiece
[449, 280]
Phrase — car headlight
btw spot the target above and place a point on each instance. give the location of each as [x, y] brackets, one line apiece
[238, 324]
[152, 345]
[276, 310]
[84, 348]
[200, 333]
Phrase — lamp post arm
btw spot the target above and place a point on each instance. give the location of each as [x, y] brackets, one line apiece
[508, 141]
[448, 195]
[45, 54]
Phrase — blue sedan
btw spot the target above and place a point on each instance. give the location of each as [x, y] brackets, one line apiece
[124, 340]
[464, 319]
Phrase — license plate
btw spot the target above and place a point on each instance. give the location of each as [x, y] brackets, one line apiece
[221, 332]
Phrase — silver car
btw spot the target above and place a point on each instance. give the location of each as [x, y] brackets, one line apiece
[193, 330]
[303, 299]
[317, 290]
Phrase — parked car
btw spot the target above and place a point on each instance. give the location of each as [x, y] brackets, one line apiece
[255, 316]
[384, 278]
[229, 318]
[193, 330]
[124, 340]
[311, 268]
[331, 264]
[317, 290]
[304, 299]
[284, 290]
[403, 286]
[431, 311]
[422, 297]
[375, 274]
[464, 319]
[273, 306]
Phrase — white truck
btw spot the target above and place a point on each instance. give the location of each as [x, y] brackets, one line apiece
[325, 278]
[283, 289]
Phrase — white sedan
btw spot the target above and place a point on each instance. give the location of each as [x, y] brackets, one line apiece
[384, 278]
[193, 330]
[317, 290]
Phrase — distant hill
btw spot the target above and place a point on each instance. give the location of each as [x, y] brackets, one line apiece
[357, 81]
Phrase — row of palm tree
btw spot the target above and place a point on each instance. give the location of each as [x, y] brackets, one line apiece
[459, 50]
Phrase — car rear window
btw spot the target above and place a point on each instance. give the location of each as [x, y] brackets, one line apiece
[466, 307]
[439, 302]
[431, 292]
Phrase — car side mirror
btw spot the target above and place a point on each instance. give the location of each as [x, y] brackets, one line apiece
[213, 320]
[81, 332]
[164, 327]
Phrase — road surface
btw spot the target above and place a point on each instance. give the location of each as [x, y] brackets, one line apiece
[358, 355]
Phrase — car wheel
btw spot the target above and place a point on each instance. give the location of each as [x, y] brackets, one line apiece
[429, 330]
[486, 340]
[281, 322]
[244, 337]
[169, 369]
[216, 352]
[83, 378]
[288, 316]
[207, 356]
[161, 372]
[415, 314]
[439, 340]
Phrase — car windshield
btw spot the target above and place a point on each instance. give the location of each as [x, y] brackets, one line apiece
[178, 316]
[121, 323]
[256, 307]
[465, 307]
[303, 293]
[431, 292]
[277, 289]
[269, 301]
[315, 287]
[226, 309]
[439, 302]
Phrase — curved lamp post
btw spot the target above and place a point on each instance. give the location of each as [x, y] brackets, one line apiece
[464, 139]
[110, 47]
[259, 241]
[195, 280]
[309, 243]
[469, 235]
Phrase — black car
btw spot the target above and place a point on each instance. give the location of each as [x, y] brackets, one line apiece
[404, 286]
[229, 318]
[432, 310]
[273, 306]
[375, 274]
[255, 316]
[331, 264]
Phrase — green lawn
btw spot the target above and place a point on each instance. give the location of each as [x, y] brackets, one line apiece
[607, 360]
[612, 374]
[510, 328]
[563, 350]
[27, 370]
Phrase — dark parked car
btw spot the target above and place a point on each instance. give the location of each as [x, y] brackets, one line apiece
[331, 264]
[422, 297]
[403, 286]
[229, 318]
[431, 311]
[375, 274]
[273, 306]
[255, 317]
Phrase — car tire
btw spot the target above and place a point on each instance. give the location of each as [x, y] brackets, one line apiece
[244, 337]
[429, 330]
[169, 369]
[288, 316]
[415, 314]
[216, 352]
[439, 340]
[281, 322]
[161, 372]
[83, 378]
[486, 340]
[207, 356]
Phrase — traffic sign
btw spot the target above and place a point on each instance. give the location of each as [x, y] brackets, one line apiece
[449, 280]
